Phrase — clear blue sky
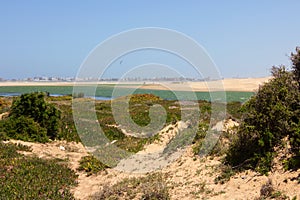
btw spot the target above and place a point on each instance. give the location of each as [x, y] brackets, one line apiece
[52, 38]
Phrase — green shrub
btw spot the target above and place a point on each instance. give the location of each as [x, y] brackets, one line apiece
[269, 116]
[34, 106]
[32, 115]
[292, 163]
[91, 165]
[22, 128]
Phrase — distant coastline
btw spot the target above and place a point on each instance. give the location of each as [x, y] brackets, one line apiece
[230, 84]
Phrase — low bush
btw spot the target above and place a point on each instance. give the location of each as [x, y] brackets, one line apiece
[22, 128]
[33, 118]
[24, 177]
[34, 106]
[91, 165]
[151, 187]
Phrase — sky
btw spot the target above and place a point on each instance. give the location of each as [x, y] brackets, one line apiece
[54, 37]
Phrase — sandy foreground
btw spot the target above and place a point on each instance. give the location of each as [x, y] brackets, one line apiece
[232, 84]
[187, 177]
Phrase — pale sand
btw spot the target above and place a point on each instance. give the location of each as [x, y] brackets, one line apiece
[240, 85]
[189, 177]
[233, 84]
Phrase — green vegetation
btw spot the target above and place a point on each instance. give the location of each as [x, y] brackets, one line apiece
[151, 187]
[67, 130]
[35, 107]
[220, 148]
[31, 118]
[269, 116]
[23, 128]
[24, 177]
[139, 106]
[4, 104]
[91, 165]
[234, 110]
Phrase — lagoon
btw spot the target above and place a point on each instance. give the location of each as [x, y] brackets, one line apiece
[105, 92]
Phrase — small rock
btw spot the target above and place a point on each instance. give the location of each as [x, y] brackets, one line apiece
[114, 141]
[182, 125]
[62, 148]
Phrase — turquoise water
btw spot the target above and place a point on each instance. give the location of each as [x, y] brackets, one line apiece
[105, 91]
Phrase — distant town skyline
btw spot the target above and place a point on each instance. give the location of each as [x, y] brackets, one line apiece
[52, 38]
[72, 79]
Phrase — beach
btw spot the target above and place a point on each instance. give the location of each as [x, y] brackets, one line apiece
[230, 84]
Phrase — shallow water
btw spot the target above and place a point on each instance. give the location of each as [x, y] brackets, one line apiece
[106, 93]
